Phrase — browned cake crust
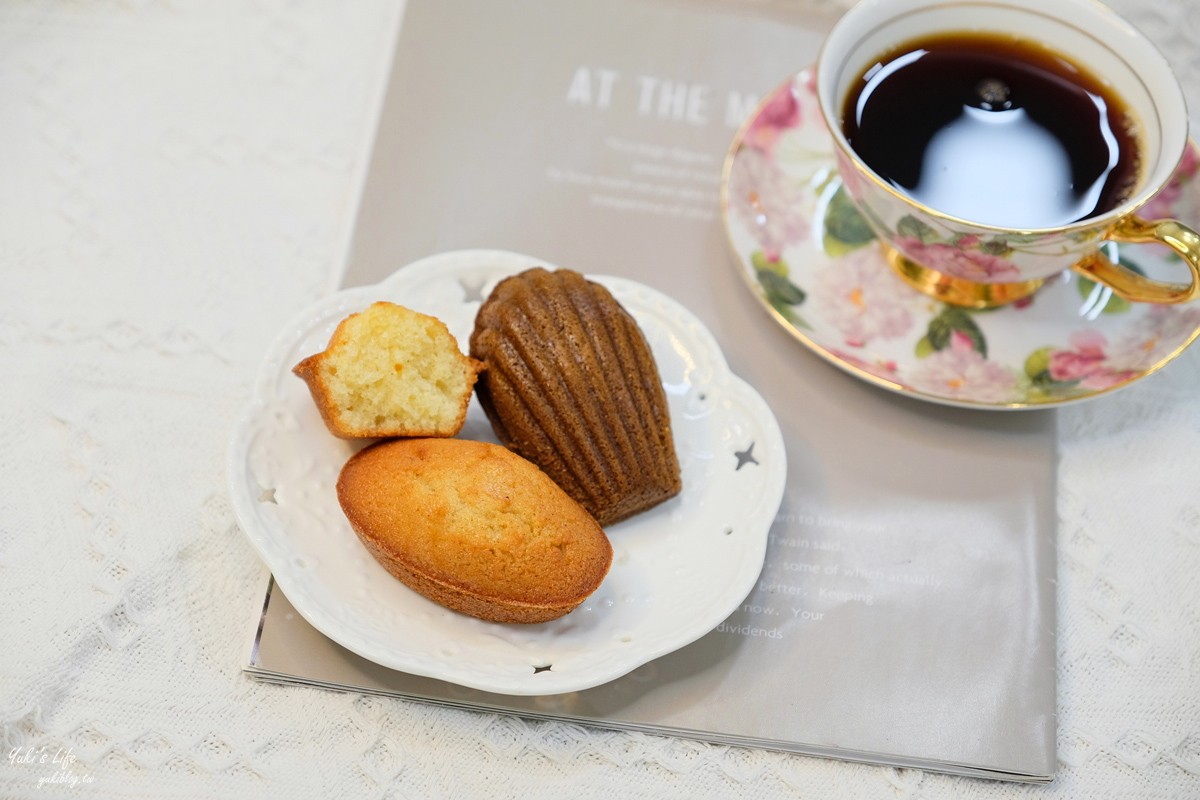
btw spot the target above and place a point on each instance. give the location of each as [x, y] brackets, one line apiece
[474, 527]
[571, 384]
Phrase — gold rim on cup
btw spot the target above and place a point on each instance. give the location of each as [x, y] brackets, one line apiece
[1128, 228]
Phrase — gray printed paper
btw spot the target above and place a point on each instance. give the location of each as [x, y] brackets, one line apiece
[905, 613]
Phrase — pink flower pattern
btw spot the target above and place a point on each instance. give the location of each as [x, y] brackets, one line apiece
[962, 259]
[961, 372]
[768, 204]
[780, 112]
[869, 321]
[1087, 363]
[1154, 337]
[1095, 365]
[864, 302]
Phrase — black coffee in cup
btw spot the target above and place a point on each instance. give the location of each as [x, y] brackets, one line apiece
[994, 130]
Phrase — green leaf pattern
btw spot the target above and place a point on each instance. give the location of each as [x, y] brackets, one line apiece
[942, 328]
[952, 356]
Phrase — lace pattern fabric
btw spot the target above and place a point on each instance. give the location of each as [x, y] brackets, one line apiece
[179, 180]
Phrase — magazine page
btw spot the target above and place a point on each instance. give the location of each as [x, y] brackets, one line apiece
[905, 612]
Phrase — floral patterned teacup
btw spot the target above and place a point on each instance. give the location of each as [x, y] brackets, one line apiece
[983, 265]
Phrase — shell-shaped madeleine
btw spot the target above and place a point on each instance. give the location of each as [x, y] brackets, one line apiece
[571, 384]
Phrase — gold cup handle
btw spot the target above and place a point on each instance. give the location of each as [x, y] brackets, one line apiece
[1131, 286]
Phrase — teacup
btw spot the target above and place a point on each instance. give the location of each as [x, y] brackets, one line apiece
[969, 261]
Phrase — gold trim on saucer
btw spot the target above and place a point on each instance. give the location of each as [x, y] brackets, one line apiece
[956, 291]
[812, 254]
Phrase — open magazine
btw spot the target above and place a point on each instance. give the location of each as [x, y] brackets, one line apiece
[905, 612]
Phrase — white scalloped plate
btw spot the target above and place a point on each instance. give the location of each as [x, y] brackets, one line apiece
[678, 570]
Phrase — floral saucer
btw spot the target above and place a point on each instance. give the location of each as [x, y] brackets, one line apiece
[813, 262]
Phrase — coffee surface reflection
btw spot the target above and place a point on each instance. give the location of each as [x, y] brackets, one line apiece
[993, 130]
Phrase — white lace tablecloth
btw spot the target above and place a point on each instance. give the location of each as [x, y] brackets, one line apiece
[177, 179]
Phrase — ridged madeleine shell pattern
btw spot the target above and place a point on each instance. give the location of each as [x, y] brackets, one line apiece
[571, 384]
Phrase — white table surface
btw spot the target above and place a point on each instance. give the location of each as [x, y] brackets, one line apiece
[177, 179]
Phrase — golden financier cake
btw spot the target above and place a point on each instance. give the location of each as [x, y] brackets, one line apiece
[474, 527]
[571, 384]
[391, 371]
